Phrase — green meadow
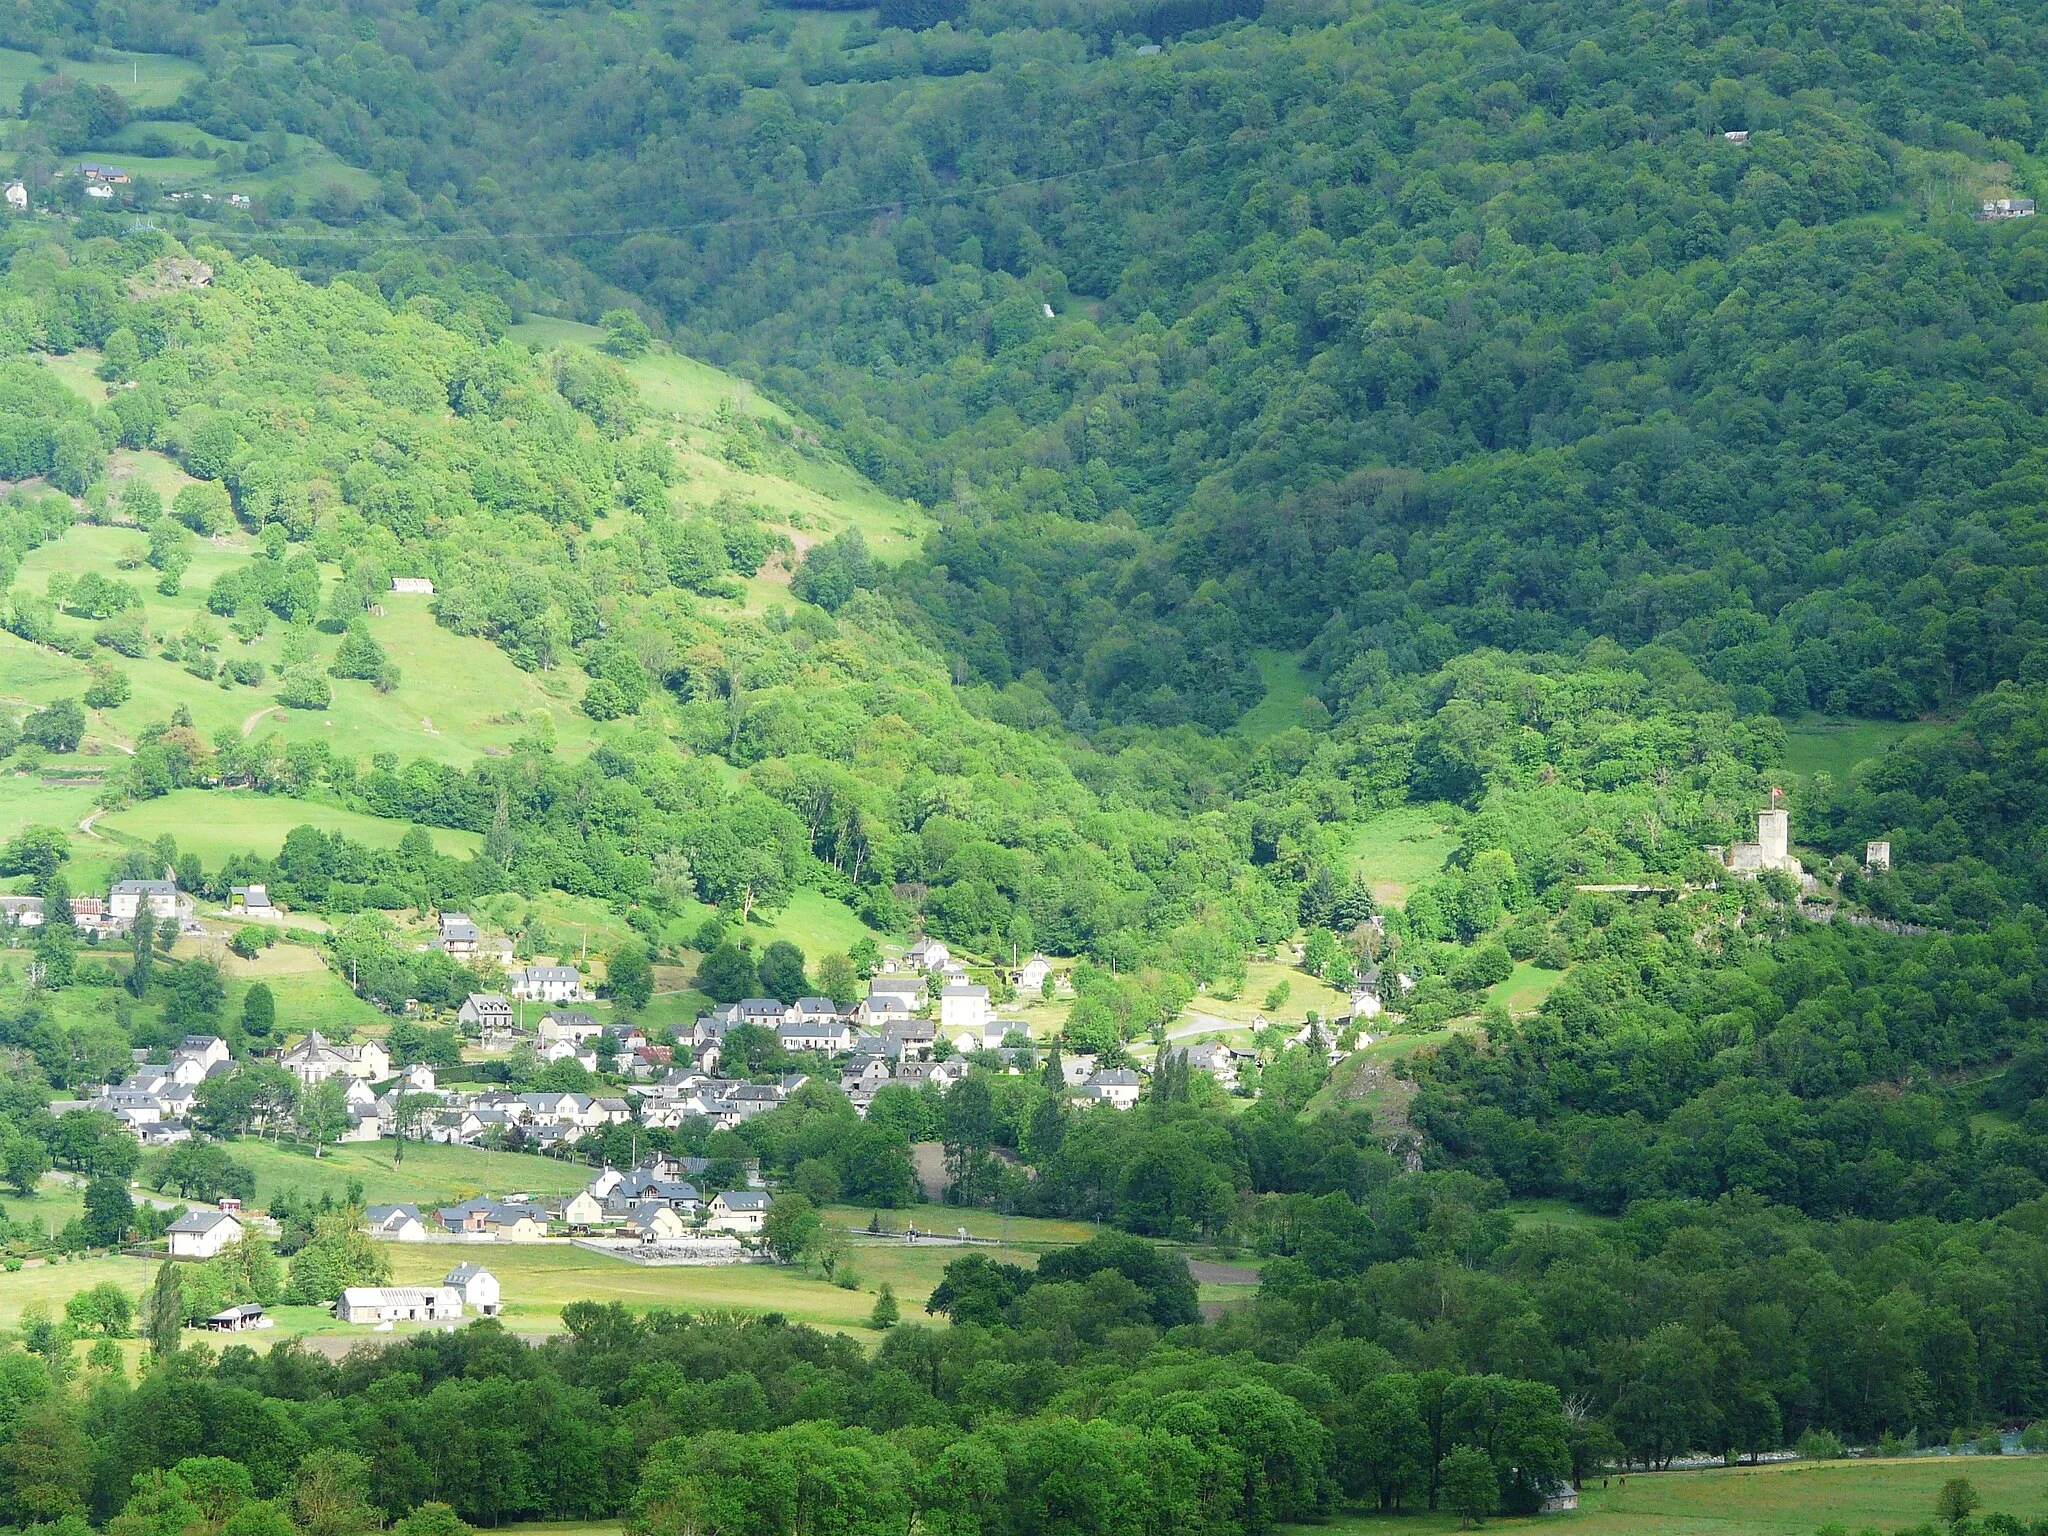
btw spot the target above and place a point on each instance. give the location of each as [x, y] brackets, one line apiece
[1287, 686]
[1400, 848]
[1789, 1499]
[216, 823]
[1819, 745]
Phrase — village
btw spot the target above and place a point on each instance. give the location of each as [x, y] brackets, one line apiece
[922, 1022]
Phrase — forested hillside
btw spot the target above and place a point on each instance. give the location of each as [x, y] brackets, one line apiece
[1410, 330]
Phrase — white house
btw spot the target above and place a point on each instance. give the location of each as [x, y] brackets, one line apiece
[17, 197]
[547, 984]
[477, 1287]
[419, 584]
[23, 911]
[928, 955]
[398, 1304]
[582, 1209]
[251, 901]
[879, 1009]
[833, 1036]
[396, 1223]
[126, 897]
[484, 1011]
[202, 1234]
[654, 1221]
[964, 1007]
[738, 1210]
[1031, 975]
[574, 1026]
[316, 1058]
[1118, 1087]
[459, 936]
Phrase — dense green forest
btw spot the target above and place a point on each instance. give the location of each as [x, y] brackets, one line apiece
[1411, 330]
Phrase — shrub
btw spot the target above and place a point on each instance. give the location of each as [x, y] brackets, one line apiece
[109, 688]
[1818, 1444]
[304, 688]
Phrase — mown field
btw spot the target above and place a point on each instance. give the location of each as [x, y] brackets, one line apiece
[217, 823]
[1792, 1499]
[1819, 745]
[430, 1175]
[1287, 686]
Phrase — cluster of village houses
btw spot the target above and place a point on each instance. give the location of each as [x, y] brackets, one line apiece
[655, 1202]
[890, 1036]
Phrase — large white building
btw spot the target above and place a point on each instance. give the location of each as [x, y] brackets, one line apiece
[547, 984]
[126, 898]
[316, 1058]
[738, 1210]
[477, 1287]
[964, 1008]
[202, 1234]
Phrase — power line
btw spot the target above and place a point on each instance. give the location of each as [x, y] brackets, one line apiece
[1521, 57]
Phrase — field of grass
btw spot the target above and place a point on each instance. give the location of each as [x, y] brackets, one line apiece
[1819, 745]
[55, 1284]
[1792, 1499]
[539, 1279]
[27, 800]
[308, 994]
[1524, 991]
[1532, 1214]
[216, 823]
[430, 1175]
[809, 497]
[1287, 685]
[54, 1203]
[1305, 993]
[142, 79]
[1399, 848]
[1034, 1232]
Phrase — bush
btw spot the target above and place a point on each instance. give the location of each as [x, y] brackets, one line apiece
[304, 688]
[109, 688]
[1820, 1445]
[625, 333]
[127, 634]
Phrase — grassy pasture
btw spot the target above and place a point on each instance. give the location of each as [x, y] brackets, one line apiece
[217, 823]
[1400, 848]
[1819, 745]
[29, 801]
[458, 697]
[143, 79]
[430, 1175]
[1287, 685]
[1524, 991]
[810, 498]
[1790, 1499]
